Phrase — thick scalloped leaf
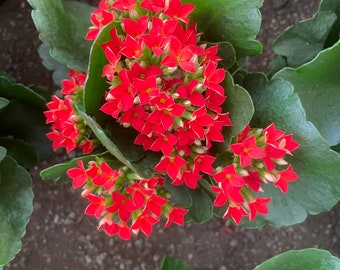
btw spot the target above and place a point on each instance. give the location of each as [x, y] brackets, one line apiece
[334, 35]
[62, 26]
[239, 105]
[170, 263]
[300, 43]
[318, 167]
[237, 22]
[179, 195]
[3, 102]
[22, 116]
[318, 86]
[226, 51]
[18, 91]
[201, 209]
[305, 259]
[21, 151]
[16, 206]
[3, 152]
[57, 173]
[96, 85]
[60, 71]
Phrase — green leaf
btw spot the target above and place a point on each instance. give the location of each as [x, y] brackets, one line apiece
[179, 195]
[226, 51]
[96, 85]
[302, 42]
[318, 87]
[60, 71]
[237, 22]
[21, 151]
[239, 105]
[63, 26]
[11, 90]
[116, 150]
[57, 173]
[201, 209]
[305, 259]
[3, 152]
[170, 263]
[26, 122]
[317, 189]
[16, 206]
[3, 102]
[334, 35]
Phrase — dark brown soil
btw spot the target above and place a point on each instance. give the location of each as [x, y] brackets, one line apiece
[60, 237]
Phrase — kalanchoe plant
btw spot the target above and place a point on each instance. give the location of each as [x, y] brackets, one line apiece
[166, 132]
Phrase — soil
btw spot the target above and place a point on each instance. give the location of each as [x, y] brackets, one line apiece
[59, 236]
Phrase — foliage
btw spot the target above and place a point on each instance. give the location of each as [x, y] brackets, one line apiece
[305, 259]
[301, 74]
[22, 145]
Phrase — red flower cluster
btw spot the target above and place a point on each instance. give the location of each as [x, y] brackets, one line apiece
[165, 86]
[256, 153]
[123, 204]
[168, 88]
[68, 129]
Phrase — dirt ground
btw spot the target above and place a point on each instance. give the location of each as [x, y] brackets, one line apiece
[60, 237]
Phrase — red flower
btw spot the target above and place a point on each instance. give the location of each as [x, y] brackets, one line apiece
[189, 92]
[123, 205]
[121, 228]
[144, 222]
[229, 177]
[124, 5]
[229, 186]
[134, 116]
[284, 177]
[200, 119]
[180, 56]
[132, 48]
[153, 5]
[171, 165]
[253, 180]
[136, 29]
[96, 206]
[272, 134]
[166, 110]
[78, 175]
[204, 163]
[227, 193]
[124, 92]
[147, 89]
[258, 205]
[164, 143]
[235, 211]
[176, 215]
[189, 177]
[288, 144]
[213, 77]
[154, 204]
[99, 18]
[178, 11]
[77, 80]
[159, 34]
[110, 69]
[247, 150]
[106, 176]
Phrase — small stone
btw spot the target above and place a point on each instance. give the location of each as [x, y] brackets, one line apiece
[279, 3]
[233, 243]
